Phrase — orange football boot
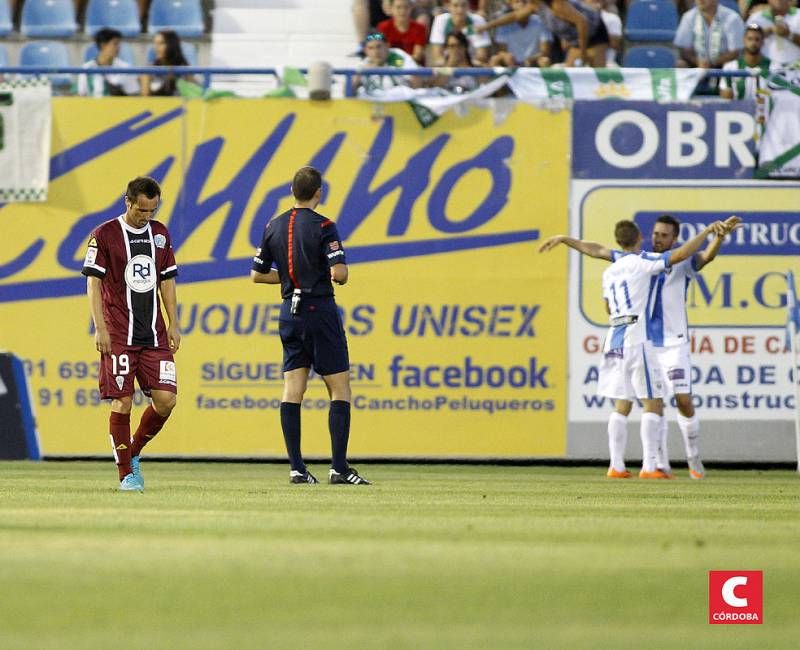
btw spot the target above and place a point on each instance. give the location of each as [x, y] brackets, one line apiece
[654, 474]
[613, 473]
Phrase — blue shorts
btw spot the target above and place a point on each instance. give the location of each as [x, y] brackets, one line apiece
[314, 338]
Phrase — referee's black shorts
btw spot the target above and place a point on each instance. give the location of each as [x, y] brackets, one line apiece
[314, 338]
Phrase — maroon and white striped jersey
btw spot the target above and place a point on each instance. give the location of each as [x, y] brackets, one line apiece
[132, 263]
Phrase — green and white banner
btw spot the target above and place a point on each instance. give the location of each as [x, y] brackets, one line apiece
[429, 104]
[24, 140]
[779, 150]
[663, 85]
[535, 85]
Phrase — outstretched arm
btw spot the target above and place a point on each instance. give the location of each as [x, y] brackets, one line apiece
[506, 19]
[690, 247]
[590, 248]
[710, 251]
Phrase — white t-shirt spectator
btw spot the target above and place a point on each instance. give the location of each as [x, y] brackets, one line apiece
[779, 49]
[397, 58]
[725, 34]
[523, 42]
[96, 85]
[443, 25]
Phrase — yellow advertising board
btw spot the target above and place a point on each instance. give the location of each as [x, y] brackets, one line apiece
[456, 326]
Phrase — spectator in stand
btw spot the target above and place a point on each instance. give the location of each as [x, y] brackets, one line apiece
[422, 12]
[403, 33]
[751, 60]
[459, 19]
[380, 55]
[781, 25]
[367, 14]
[489, 8]
[613, 24]
[457, 55]
[708, 36]
[749, 7]
[101, 85]
[524, 42]
[167, 47]
[578, 25]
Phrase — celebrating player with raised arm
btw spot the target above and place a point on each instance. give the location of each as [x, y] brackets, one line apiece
[630, 366]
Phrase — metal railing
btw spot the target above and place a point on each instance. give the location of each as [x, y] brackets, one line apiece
[206, 73]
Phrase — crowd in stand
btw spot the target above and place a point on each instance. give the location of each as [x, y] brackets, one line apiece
[544, 33]
[756, 35]
[48, 26]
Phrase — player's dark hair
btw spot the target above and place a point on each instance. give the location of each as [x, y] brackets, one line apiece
[106, 35]
[305, 183]
[671, 221]
[142, 185]
[626, 233]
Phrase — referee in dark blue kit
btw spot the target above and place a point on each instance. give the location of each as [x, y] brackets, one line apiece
[305, 248]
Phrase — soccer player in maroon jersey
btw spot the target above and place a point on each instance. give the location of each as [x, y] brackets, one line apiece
[129, 260]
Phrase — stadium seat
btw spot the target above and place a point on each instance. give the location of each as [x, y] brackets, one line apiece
[125, 53]
[122, 15]
[6, 26]
[189, 52]
[643, 56]
[48, 19]
[48, 54]
[651, 20]
[183, 16]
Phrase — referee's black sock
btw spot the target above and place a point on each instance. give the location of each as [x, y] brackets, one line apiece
[290, 423]
[339, 426]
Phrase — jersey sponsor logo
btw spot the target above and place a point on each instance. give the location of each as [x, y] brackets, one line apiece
[120, 381]
[160, 241]
[334, 245]
[140, 274]
[676, 374]
[91, 255]
[166, 372]
[93, 242]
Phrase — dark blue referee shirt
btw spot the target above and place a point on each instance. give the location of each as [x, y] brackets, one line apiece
[304, 245]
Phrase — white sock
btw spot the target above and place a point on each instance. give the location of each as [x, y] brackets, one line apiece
[650, 432]
[663, 449]
[617, 440]
[690, 428]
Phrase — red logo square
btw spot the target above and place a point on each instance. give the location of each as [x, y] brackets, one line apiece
[735, 597]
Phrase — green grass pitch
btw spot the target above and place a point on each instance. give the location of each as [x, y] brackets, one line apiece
[231, 556]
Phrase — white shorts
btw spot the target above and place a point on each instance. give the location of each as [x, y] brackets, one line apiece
[631, 373]
[676, 368]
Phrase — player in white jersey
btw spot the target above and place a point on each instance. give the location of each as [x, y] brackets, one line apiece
[669, 333]
[630, 366]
